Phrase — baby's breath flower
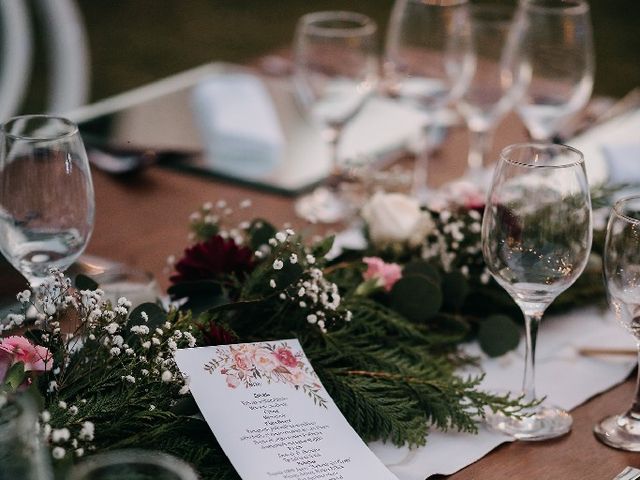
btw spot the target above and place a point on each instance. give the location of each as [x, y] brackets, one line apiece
[24, 296]
[144, 316]
[293, 258]
[115, 351]
[62, 404]
[312, 318]
[58, 453]
[112, 328]
[281, 236]
[60, 435]
[272, 283]
[73, 410]
[311, 259]
[278, 264]
[166, 376]
[87, 431]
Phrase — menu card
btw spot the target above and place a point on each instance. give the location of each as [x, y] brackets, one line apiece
[272, 416]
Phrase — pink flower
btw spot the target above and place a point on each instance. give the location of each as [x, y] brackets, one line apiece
[286, 357]
[263, 359]
[298, 377]
[34, 357]
[386, 274]
[242, 361]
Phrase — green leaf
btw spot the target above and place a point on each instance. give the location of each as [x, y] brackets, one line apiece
[455, 289]
[85, 283]
[15, 375]
[321, 248]
[260, 232]
[416, 297]
[498, 334]
[201, 295]
[420, 267]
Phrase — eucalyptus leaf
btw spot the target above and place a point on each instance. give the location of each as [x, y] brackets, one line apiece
[83, 282]
[324, 246]
[15, 375]
[455, 289]
[420, 267]
[498, 334]
[416, 297]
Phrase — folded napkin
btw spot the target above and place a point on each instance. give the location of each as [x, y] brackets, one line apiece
[623, 162]
[238, 124]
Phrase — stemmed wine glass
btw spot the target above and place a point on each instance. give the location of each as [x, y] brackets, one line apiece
[491, 83]
[46, 195]
[622, 278]
[536, 239]
[335, 71]
[554, 54]
[418, 66]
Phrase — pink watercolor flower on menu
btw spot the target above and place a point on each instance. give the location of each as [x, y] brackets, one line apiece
[232, 381]
[298, 377]
[263, 360]
[386, 274]
[286, 357]
[34, 357]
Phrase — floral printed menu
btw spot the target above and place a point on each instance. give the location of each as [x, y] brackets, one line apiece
[273, 417]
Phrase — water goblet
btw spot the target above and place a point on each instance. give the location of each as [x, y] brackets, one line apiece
[536, 239]
[138, 464]
[554, 51]
[418, 66]
[335, 72]
[491, 83]
[46, 195]
[622, 279]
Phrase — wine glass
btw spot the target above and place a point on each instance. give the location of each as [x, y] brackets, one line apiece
[139, 464]
[335, 71]
[491, 83]
[536, 239]
[419, 68]
[46, 195]
[622, 278]
[555, 57]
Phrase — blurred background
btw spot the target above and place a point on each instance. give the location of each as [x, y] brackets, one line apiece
[134, 42]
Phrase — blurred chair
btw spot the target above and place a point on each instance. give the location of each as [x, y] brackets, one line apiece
[65, 44]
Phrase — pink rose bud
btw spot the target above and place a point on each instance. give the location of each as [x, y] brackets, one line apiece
[386, 274]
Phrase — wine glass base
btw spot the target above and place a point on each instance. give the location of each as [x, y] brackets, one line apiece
[544, 423]
[323, 205]
[619, 431]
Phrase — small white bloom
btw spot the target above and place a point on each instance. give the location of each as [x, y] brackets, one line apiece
[281, 236]
[62, 404]
[293, 258]
[115, 351]
[112, 328]
[79, 452]
[195, 216]
[146, 345]
[144, 316]
[311, 259]
[87, 431]
[24, 296]
[60, 435]
[159, 331]
[166, 376]
[58, 453]
[73, 410]
[272, 283]
[130, 379]
[152, 407]
[92, 336]
[273, 242]
[129, 351]
[144, 372]
[312, 318]
[278, 264]
[45, 416]
[155, 340]
[303, 304]
[117, 340]
[282, 296]
[122, 301]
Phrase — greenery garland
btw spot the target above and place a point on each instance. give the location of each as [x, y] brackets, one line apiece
[387, 352]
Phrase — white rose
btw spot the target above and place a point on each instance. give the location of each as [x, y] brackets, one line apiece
[396, 218]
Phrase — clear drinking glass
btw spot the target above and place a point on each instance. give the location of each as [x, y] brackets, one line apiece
[622, 278]
[536, 239]
[46, 195]
[420, 69]
[22, 455]
[335, 71]
[132, 464]
[491, 83]
[555, 57]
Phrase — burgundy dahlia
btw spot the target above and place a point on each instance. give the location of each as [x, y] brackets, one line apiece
[208, 260]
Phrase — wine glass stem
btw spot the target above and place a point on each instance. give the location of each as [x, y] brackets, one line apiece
[531, 323]
[479, 144]
[634, 411]
[333, 136]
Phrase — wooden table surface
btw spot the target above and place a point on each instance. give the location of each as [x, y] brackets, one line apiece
[143, 221]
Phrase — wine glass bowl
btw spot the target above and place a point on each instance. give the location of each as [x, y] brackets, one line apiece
[335, 72]
[622, 279]
[536, 240]
[490, 82]
[418, 66]
[555, 55]
[46, 195]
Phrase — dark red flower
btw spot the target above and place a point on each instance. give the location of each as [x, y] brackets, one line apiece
[208, 260]
[214, 334]
[286, 357]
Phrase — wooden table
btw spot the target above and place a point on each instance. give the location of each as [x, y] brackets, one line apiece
[143, 221]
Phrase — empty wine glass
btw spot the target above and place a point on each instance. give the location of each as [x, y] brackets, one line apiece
[418, 66]
[132, 464]
[491, 83]
[622, 278]
[536, 239]
[335, 71]
[46, 195]
[555, 57]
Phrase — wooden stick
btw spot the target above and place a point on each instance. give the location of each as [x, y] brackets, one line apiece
[594, 352]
